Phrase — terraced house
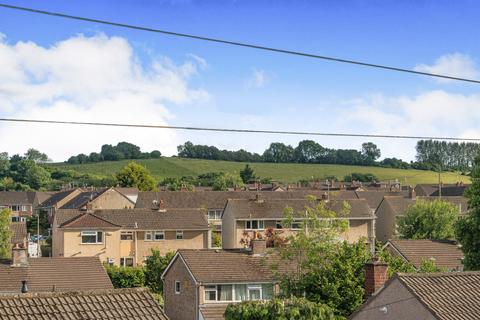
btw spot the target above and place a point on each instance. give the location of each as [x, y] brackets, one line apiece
[21, 204]
[245, 219]
[126, 237]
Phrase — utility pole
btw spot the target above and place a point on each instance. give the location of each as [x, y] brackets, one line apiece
[439, 183]
[38, 233]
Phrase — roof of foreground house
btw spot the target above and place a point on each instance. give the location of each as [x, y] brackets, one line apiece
[445, 254]
[55, 274]
[274, 209]
[86, 305]
[449, 295]
[142, 219]
[227, 266]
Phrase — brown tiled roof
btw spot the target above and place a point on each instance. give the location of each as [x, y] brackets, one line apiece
[213, 311]
[449, 296]
[55, 198]
[218, 199]
[447, 189]
[274, 209]
[445, 254]
[59, 274]
[16, 197]
[43, 196]
[374, 198]
[19, 232]
[399, 204]
[217, 266]
[87, 305]
[82, 199]
[146, 219]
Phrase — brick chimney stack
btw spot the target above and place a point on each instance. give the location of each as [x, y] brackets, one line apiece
[375, 276]
[259, 247]
[19, 256]
[411, 193]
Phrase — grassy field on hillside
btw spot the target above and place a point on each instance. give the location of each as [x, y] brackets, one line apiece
[284, 172]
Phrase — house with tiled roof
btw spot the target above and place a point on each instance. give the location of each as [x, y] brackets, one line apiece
[245, 219]
[426, 296]
[446, 254]
[436, 190]
[126, 237]
[21, 203]
[19, 233]
[138, 304]
[204, 282]
[51, 274]
[393, 207]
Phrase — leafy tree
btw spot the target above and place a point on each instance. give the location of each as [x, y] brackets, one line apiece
[111, 153]
[36, 156]
[4, 164]
[428, 220]
[328, 271]
[362, 177]
[31, 174]
[370, 152]
[126, 277]
[94, 157]
[467, 229]
[308, 151]
[247, 174]
[128, 150]
[208, 179]
[135, 175]
[155, 154]
[291, 309]
[278, 152]
[5, 233]
[44, 223]
[154, 267]
[226, 181]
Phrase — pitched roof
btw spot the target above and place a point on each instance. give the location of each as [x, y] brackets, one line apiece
[432, 190]
[82, 199]
[143, 219]
[16, 197]
[213, 311]
[274, 209]
[449, 296]
[399, 204]
[374, 198]
[218, 199]
[217, 266]
[43, 196]
[55, 198]
[60, 274]
[445, 254]
[19, 232]
[87, 305]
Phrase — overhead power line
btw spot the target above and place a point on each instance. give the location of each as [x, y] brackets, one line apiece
[241, 44]
[303, 133]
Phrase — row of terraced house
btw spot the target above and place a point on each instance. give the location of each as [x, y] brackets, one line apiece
[121, 226]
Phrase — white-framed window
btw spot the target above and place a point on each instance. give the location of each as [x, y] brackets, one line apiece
[158, 235]
[215, 214]
[92, 237]
[126, 235]
[279, 224]
[177, 287]
[126, 262]
[254, 225]
[179, 235]
[238, 292]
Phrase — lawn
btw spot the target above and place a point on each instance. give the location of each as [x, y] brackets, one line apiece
[283, 172]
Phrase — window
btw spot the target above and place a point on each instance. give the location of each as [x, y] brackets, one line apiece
[126, 262]
[210, 293]
[15, 208]
[179, 235]
[296, 224]
[254, 292]
[177, 287]
[154, 235]
[279, 224]
[215, 214]
[92, 237]
[126, 235]
[254, 224]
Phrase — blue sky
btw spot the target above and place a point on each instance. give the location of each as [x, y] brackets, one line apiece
[222, 86]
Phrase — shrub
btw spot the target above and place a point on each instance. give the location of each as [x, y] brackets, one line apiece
[126, 277]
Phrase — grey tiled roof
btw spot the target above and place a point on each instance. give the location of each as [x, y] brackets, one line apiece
[82, 199]
[146, 219]
[447, 189]
[445, 254]
[59, 274]
[449, 296]
[87, 305]
[55, 198]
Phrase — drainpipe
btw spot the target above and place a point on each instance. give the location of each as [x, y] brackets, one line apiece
[135, 247]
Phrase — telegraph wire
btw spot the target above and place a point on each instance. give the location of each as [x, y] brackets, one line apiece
[240, 44]
[304, 133]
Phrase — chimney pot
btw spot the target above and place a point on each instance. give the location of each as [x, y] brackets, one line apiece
[161, 206]
[375, 275]
[259, 247]
[24, 286]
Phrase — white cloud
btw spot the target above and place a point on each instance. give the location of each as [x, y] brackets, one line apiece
[454, 64]
[433, 113]
[95, 79]
[257, 79]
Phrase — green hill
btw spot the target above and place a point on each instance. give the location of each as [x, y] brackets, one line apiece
[283, 172]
